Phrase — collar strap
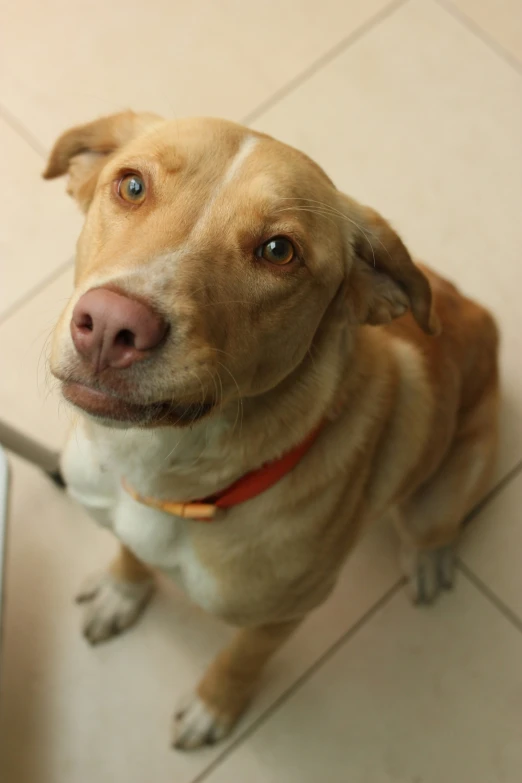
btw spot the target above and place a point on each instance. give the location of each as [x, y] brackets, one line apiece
[246, 488]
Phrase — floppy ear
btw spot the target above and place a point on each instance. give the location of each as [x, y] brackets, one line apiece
[383, 281]
[83, 151]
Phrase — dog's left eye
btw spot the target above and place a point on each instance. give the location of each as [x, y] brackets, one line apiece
[278, 250]
[131, 188]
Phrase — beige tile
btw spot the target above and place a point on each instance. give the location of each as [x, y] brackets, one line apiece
[493, 543]
[39, 225]
[416, 695]
[72, 714]
[218, 57]
[500, 20]
[28, 398]
[422, 121]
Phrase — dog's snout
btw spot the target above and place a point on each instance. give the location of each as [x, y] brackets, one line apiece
[111, 330]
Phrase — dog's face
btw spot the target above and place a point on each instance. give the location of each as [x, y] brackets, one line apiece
[209, 258]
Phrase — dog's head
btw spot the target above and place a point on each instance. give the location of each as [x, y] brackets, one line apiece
[209, 258]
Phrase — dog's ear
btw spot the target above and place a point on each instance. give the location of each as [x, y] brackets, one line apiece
[383, 282]
[83, 151]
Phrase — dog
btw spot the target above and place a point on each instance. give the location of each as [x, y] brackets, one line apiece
[258, 371]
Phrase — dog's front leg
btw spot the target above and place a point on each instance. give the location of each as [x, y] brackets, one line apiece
[228, 686]
[115, 598]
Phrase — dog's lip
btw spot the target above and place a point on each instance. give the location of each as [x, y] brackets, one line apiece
[108, 406]
[98, 403]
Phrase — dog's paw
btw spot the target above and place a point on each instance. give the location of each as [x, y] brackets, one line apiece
[196, 724]
[428, 572]
[111, 605]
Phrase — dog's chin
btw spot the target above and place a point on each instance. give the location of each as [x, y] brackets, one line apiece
[114, 411]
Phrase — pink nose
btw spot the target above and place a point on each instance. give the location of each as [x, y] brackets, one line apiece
[111, 330]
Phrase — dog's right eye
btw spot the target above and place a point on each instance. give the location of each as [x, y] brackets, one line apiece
[131, 188]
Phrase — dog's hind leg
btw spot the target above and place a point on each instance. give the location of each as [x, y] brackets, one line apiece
[429, 521]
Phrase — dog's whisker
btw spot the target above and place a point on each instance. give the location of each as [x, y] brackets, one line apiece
[335, 211]
[239, 397]
[225, 302]
[331, 214]
[220, 350]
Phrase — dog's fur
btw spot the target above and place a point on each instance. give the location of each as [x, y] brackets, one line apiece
[396, 363]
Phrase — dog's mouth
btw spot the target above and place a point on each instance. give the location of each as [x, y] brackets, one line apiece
[113, 408]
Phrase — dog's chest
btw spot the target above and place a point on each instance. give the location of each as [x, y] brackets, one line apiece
[163, 541]
[156, 538]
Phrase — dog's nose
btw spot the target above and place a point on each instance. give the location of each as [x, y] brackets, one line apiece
[112, 330]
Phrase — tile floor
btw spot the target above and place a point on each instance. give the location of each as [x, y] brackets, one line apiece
[414, 106]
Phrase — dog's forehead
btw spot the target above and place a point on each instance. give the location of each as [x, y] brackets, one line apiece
[218, 183]
[216, 148]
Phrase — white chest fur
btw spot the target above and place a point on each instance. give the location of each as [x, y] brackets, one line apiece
[93, 477]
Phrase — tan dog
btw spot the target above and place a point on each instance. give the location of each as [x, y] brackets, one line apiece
[229, 302]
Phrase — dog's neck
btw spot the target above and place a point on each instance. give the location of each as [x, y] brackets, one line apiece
[202, 459]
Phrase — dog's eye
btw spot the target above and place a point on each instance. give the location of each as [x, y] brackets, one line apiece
[278, 250]
[131, 188]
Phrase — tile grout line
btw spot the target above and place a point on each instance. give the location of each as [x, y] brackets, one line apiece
[34, 291]
[491, 596]
[301, 680]
[19, 128]
[478, 32]
[493, 492]
[273, 99]
[468, 572]
[323, 60]
[297, 81]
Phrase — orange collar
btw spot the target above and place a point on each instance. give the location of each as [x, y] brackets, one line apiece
[247, 487]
